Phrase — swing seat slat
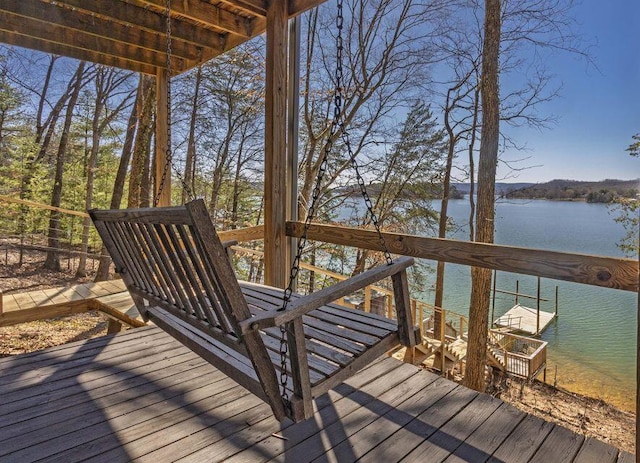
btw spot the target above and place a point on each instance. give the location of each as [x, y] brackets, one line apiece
[179, 275]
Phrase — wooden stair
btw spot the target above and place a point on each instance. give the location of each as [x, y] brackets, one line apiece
[495, 356]
[456, 351]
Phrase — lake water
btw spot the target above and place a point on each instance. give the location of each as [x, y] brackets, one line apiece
[593, 342]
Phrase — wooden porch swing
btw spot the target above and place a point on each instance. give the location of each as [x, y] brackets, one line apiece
[285, 348]
[180, 278]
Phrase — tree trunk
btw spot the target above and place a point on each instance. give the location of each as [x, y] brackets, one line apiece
[236, 196]
[472, 185]
[141, 149]
[480, 277]
[52, 260]
[96, 133]
[444, 205]
[102, 273]
[33, 158]
[190, 163]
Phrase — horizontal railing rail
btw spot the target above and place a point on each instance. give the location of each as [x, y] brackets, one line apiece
[609, 272]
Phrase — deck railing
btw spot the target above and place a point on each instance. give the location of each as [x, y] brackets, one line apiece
[609, 272]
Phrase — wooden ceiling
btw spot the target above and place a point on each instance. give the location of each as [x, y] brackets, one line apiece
[131, 34]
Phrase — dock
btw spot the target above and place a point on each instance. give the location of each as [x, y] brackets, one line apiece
[140, 395]
[524, 320]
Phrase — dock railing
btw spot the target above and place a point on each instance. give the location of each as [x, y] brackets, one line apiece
[523, 357]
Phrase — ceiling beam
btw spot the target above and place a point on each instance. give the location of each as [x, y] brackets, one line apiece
[254, 7]
[67, 39]
[25, 41]
[297, 7]
[148, 20]
[205, 13]
[76, 20]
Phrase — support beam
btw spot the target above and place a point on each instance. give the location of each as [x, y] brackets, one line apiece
[77, 22]
[206, 13]
[162, 188]
[275, 175]
[149, 21]
[35, 43]
[293, 124]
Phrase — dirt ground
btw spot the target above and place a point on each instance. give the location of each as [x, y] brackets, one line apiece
[584, 415]
[28, 337]
[592, 417]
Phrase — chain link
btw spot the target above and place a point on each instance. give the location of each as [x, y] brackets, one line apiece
[336, 124]
[168, 153]
[367, 198]
[168, 165]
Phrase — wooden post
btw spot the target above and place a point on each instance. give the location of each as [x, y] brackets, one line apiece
[517, 290]
[538, 308]
[275, 185]
[162, 139]
[443, 320]
[114, 326]
[293, 124]
[493, 298]
[556, 302]
[367, 298]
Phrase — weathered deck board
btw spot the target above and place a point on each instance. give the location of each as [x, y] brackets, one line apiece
[141, 396]
[486, 439]
[565, 443]
[450, 436]
[523, 442]
[595, 451]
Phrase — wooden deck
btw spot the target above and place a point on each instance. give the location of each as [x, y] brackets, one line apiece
[110, 297]
[140, 395]
[521, 319]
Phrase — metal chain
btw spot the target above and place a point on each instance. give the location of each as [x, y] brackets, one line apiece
[366, 198]
[168, 166]
[168, 152]
[336, 123]
[345, 137]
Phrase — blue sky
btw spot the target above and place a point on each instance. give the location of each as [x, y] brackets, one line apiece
[598, 109]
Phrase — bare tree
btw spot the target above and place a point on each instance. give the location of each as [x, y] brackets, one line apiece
[387, 57]
[490, 139]
[108, 83]
[52, 260]
[191, 159]
[118, 185]
[232, 89]
[139, 179]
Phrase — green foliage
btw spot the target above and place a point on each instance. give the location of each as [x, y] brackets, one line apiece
[634, 148]
[605, 191]
[628, 211]
[411, 173]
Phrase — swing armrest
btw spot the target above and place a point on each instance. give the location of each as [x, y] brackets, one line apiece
[305, 304]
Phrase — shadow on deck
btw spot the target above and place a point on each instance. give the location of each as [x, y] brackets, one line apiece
[142, 395]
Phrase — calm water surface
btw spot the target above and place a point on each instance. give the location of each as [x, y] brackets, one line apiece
[593, 342]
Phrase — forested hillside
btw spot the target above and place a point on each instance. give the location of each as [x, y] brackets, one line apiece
[605, 191]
